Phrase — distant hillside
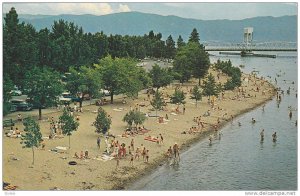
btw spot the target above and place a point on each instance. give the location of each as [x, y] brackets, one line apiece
[135, 23]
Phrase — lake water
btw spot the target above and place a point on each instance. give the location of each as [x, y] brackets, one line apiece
[239, 161]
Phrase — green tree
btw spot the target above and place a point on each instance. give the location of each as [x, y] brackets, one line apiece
[160, 76]
[178, 97]
[157, 101]
[170, 48]
[120, 75]
[196, 94]
[180, 42]
[182, 65]
[7, 87]
[194, 37]
[191, 60]
[134, 117]
[209, 86]
[42, 86]
[102, 122]
[69, 124]
[234, 73]
[32, 136]
[85, 81]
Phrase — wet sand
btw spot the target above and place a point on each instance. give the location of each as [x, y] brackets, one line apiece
[52, 169]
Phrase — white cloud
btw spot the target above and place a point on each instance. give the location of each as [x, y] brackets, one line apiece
[123, 8]
[82, 8]
[60, 8]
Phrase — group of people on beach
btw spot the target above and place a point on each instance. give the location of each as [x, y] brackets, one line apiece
[82, 155]
[173, 152]
[13, 133]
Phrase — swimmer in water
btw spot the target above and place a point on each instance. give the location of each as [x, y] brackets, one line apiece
[253, 120]
[290, 114]
[274, 136]
[262, 135]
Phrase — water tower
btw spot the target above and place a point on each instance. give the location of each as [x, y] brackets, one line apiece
[248, 36]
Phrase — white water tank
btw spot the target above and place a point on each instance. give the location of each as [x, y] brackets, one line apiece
[248, 35]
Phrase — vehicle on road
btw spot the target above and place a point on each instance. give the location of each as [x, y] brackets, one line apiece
[105, 92]
[66, 97]
[15, 93]
[21, 105]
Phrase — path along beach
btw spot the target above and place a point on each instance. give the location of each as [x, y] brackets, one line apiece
[52, 171]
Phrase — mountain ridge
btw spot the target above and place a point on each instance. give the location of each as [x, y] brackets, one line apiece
[266, 28]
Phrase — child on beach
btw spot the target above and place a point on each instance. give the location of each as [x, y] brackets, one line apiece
[98, 142]
[161, 139]
[137, 153]
[131, 160]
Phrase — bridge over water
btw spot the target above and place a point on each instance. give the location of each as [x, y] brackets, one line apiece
[258, 46]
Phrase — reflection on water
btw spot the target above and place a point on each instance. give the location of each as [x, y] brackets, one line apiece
[240, 160]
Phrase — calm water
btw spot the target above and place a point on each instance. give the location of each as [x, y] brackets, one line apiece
[239, 161]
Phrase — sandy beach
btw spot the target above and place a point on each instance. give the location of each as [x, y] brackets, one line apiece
[52, 171]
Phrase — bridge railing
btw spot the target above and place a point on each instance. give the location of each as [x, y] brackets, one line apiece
[258, 46]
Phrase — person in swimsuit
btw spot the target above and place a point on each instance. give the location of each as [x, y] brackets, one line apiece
[262, 135]
[274, 136]
[147, 156]
[131, 160]
[176, 150]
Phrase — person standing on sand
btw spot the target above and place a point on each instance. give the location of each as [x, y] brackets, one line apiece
[183, 110]
[161, 139]
[147, 156]
[137, 153]
[98, 142]
[144, 153]
[131, 160]
[132, 144]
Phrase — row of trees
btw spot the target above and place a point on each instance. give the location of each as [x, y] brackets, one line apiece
[66, 45]
[234, 73]
[34, 60]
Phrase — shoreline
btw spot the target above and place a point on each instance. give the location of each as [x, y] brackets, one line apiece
[186, 146]
[83, 177]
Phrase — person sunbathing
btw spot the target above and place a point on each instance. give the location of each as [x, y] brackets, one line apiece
[81, 155]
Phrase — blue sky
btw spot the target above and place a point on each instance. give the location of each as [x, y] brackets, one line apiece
[205, 11]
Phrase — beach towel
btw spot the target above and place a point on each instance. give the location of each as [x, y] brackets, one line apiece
[117, 110]
[151, 139]
[61, 148]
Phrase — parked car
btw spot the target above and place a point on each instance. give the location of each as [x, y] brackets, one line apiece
[21, 105]
[105, 92]
[15, 93]
[66, 96]
[13, 108]
[34, 105]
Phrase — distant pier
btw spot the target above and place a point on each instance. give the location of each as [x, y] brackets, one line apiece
[249, 54]
[254, 49]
